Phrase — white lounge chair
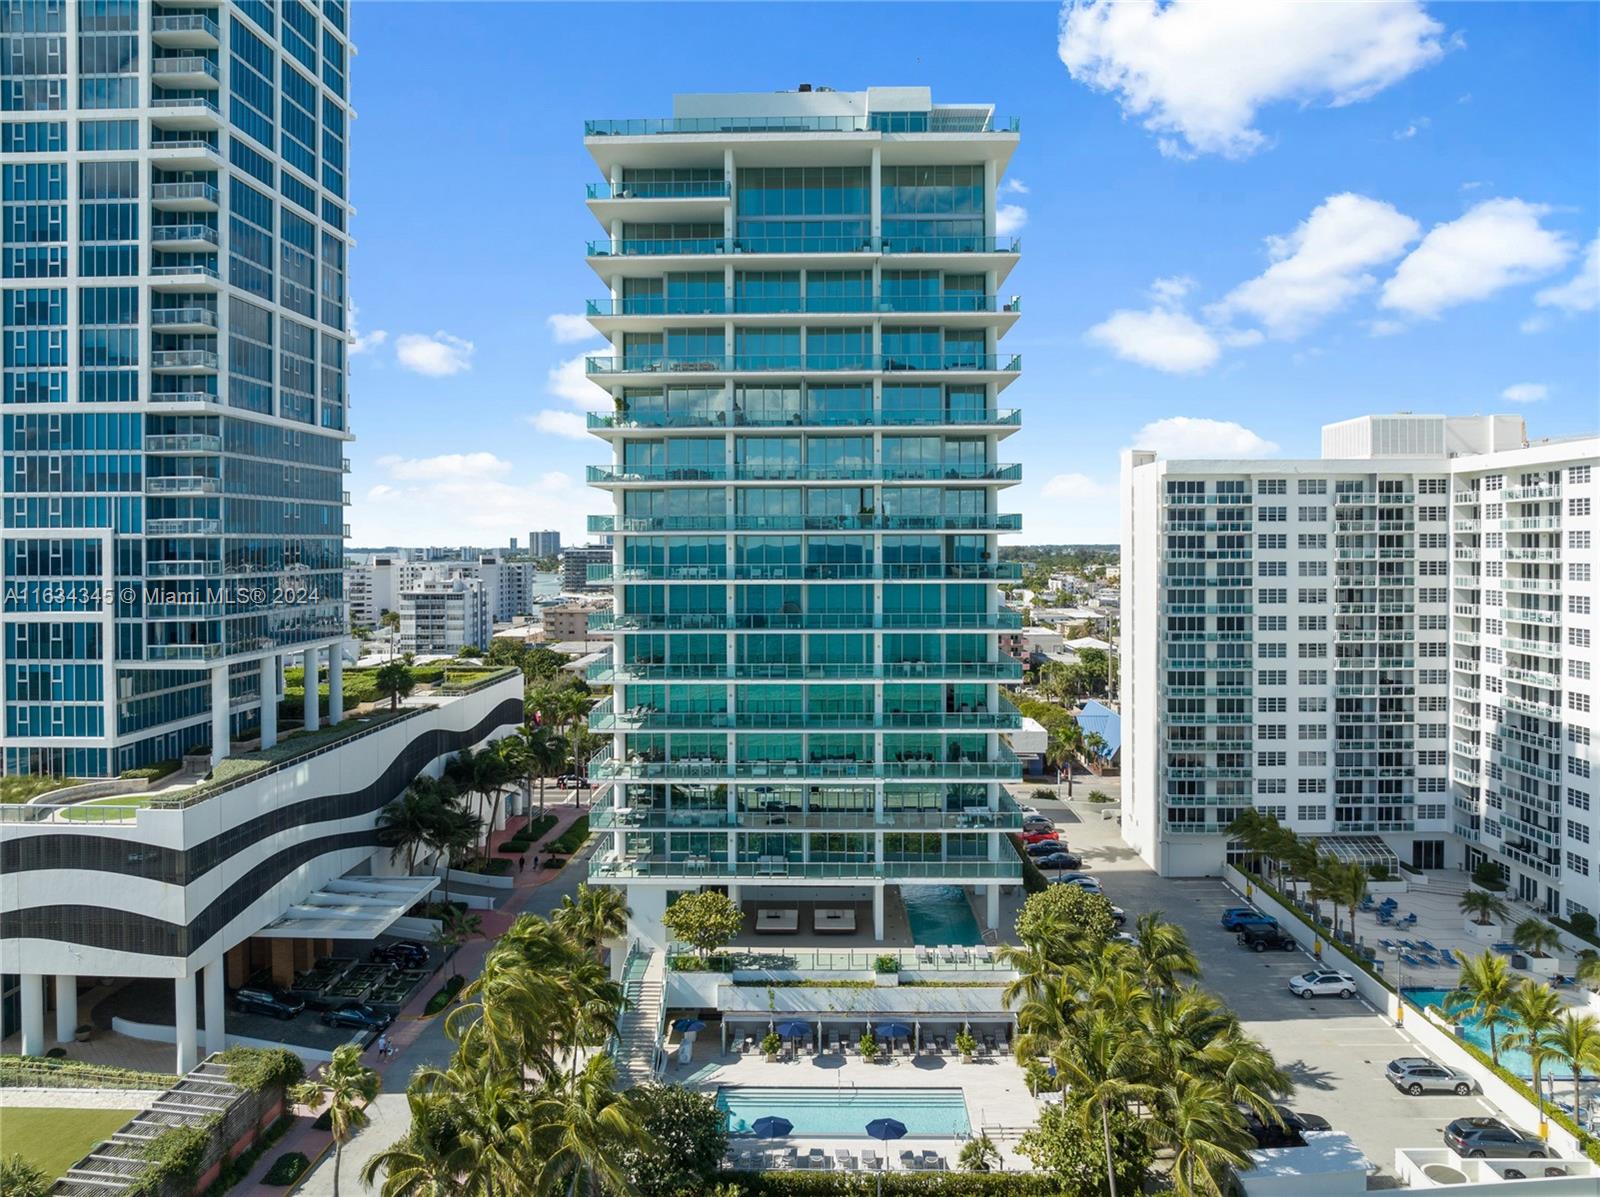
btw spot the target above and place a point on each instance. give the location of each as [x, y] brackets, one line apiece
[908, 1161]
[870, 1161]
[844, 1159]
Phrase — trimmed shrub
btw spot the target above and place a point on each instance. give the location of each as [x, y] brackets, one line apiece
[570, 840]
[895, 1183]
[492, 868]
[445, 995]
[1582, 923]
[153, 772]
[286, 1169]
[1033, 881]
[258, 1068]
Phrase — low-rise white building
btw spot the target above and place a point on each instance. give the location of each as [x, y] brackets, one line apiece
[444, 616]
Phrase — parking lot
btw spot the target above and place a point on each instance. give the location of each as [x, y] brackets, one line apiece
[1334, 1049]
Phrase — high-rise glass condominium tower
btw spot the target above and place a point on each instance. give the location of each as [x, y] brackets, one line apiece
[805, 296]
[174, 377]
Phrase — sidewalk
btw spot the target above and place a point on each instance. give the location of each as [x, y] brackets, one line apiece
[419, 1039]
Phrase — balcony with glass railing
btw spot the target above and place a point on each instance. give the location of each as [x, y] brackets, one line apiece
[184, 31]
[832, 246]
[935, 121]
[1005, 522]
[184, 70]
[187, 526]
[660, 189]
[949, 362]
[1005, 571]
[609, 866]
[184, 361]
[806, 305]
[1003, 766]
[185, 484]
[798, 621]
[184, 238]
[188, 444]
[849, 418]
[949, 471]
[606, 673]
[184, 197]
[604, 718]
[184, 319]
[779, 816]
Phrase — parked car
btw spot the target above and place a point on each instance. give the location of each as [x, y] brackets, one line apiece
[1058, 860]
[359, 1016]
[1266, 939]
[1124, 938]
[402, 953]
[1119, 917]
[1479, 1138]
[1036, 820]
[263, 999]
[1045, 847]
[1033, 837]
[1301, 1121]
[1092, 884]
[1236, 917]
[1323, 983]
[1267, 1133]
[1417, 1075]
[572, 781]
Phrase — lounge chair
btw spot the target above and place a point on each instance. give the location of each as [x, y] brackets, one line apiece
[961, 955]
[870, 1161]
[1428, 960]
[844, 1159]
[981, 954]
[947, 954]
[1447, 959]
[1385, 918]
[1388, 945]
[787, 1157]
[908, 1161]
[1408, 959]
[924, 956]
[932, 1160]
[817, 1158]
[1427, 947]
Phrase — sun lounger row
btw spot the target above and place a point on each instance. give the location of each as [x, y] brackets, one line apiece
[955, 954]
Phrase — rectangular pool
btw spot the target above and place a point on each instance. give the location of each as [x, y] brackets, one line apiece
[836, 1112]
[940, 915]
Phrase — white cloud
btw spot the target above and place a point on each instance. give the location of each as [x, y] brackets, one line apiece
[438, 355]
[1580, 293]
[1016, 186]
[568, 381]
[1009, 219]
[443, 501]
[1498, 243]
[1197, 72]
[1077, 487]
[1171, 289]
[561, 423]
[367, 342]
[1525, 392]
[1412, 129]
[1191, 437]
[1322, 264]
[1161, 338]
[566, 329]
[1386, 328]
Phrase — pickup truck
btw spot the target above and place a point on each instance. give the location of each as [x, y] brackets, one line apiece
[1236, 918]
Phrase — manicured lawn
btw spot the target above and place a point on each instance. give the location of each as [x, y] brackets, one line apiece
[55, 1139]
[93, 811]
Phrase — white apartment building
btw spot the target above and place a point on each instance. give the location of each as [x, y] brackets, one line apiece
[1381, 645]
[444, 615]
[509, 586]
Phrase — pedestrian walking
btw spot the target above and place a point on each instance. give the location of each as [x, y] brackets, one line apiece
[522, 864]
[383, 1047]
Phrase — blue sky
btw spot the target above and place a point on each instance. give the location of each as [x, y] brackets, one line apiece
[1238, 223]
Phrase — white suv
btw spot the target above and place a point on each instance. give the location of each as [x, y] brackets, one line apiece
[1319, 983]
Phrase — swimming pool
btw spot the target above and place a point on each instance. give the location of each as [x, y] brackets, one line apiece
[938, 915]
[1512, 1060]
[835, 1112]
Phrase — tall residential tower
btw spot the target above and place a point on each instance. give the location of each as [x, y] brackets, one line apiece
[175, 382]
[805, 296]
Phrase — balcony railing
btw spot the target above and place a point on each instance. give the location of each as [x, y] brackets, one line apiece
[605, 673]
[778, 816]
[789, 363]
[183, 397]
[691, 866]
[182, 652]
[182, 442]
[183, 191]
[1005, 767]
[167, 317]
[165, 271]
[935, 121]
[183, 65]
[1005, 571]
[865, 417]
[183, 232]
[809, 305]
[183, 569]
[185, 102]
[954, 471]
[183, 527]
[604, 719]
[814, 621]
[192, 484]
[1006, 522]
[184, 23]
[661, 189]
[183, 359]
[697, 246]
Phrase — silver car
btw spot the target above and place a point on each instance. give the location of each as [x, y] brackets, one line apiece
[1417, 1075]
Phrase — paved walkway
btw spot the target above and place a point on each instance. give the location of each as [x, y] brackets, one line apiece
[419, 1039]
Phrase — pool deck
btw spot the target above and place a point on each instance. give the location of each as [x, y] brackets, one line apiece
[896, 926]
[996, 1094]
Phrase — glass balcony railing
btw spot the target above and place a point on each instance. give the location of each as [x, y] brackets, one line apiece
[605, 673]
[795, 362]
[1007, 522]
[184, 102]
[171, 317]
[661, 189]
[1003, 418]
[603, 719]
[810, 305]
[813, 621]
[167, 233]
[164, 271]
[975, 120]
[834, 572]
[906, 244]
[1003, 767]
[174, 192]
[950, 471]
[182, 443]
[184, 397]
[174, 66]
[183, 527]
[610, 866]
[776, 817]
[183, 359]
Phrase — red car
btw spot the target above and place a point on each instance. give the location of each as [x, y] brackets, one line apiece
[1034, 837]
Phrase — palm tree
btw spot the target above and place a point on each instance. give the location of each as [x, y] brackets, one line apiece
[427, 1161]
[1535, 1011]
[348, 1087]
[1536, 937]
[1347, 886]
[1483, 990]
[576, 1135]
[484, 775]
[1588, 972]
[408, 822]
[1093, 747]
[1101, 1066]
[393, 678]
[1483, 906]
[534, 754]
[1575, 1040]
[1162, 953]
[593, 915]
[484, 1111]
[1206, 1134]
[562, 710]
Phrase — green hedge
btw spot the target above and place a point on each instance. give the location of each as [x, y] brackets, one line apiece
[286, 1169]
[570, 840]
[153, 772]
[488, 868]
[32, 1072]
[1322, 932]
[445, 995]
[895, 1183]
[1033, 879]
[258, 1068]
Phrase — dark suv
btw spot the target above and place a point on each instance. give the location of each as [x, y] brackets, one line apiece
[402, 953]
[259, 999]
[1266, 939]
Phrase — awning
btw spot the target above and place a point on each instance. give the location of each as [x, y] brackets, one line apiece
[897, 1002]
[1364, 850]
[350, 908]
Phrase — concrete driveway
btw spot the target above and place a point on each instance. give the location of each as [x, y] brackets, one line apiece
[1334, 1049]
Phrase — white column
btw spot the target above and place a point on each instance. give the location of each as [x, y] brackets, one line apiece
[877, 912]
[992, 907]
[270, 677]
[66, 1007]
[211, 985]
[32, 1014]
[183, 1024]
[308, 660]
[219, 713]
[335, 684]
[733, 894]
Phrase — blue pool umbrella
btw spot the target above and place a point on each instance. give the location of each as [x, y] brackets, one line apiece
[893, 1030]
[771, 1127]
[793, 1030]
[685, 1025]
[886, 1129]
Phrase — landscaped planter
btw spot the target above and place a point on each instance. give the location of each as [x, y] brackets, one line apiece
[488, 880]
[1388, 887]
[1490, 933]
[1543, 966]
[887, 980]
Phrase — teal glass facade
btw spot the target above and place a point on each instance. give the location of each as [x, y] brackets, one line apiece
[174, 401]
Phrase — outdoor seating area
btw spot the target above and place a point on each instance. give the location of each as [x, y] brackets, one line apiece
[843, 1159]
